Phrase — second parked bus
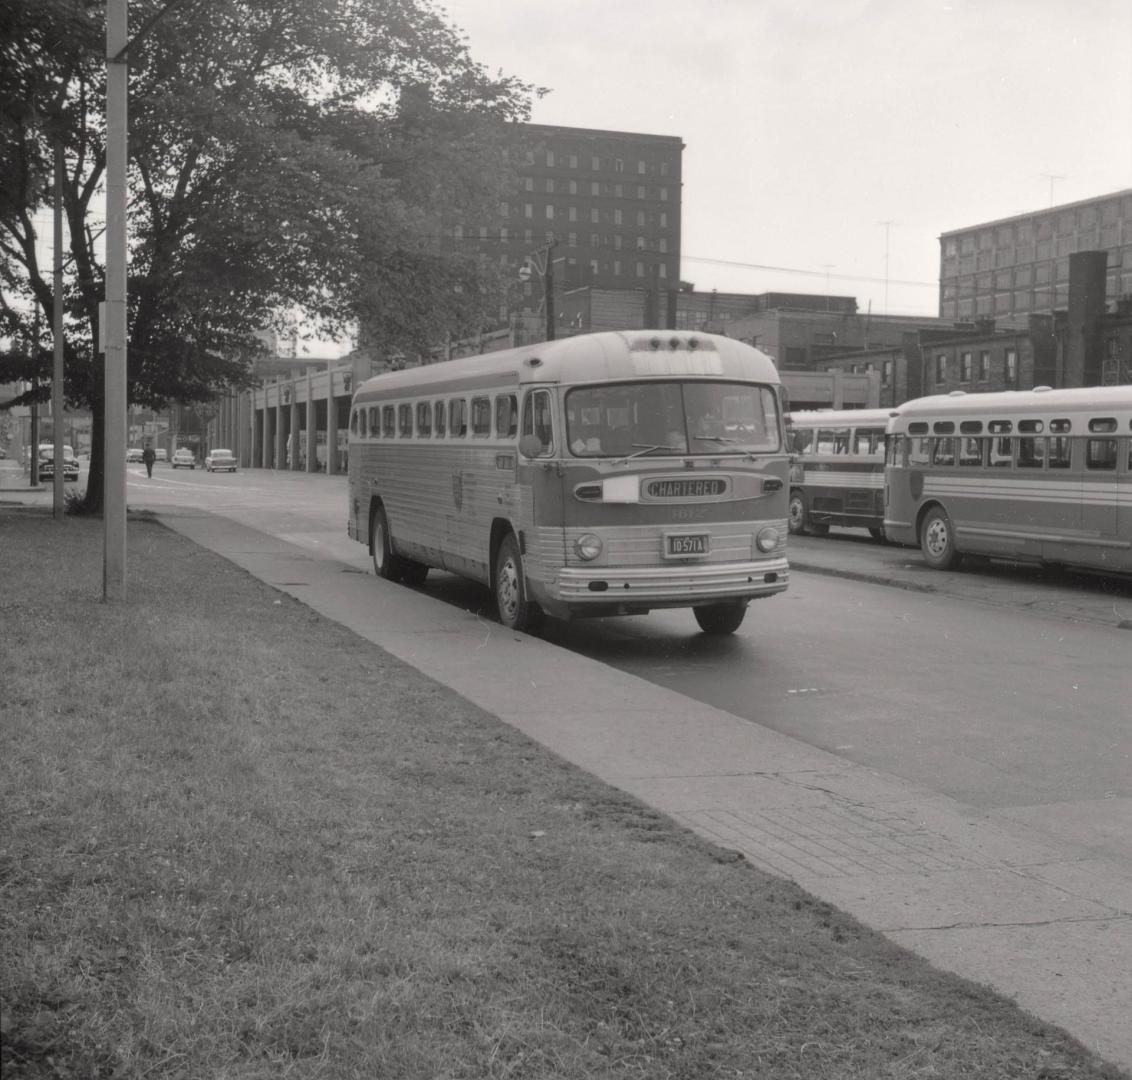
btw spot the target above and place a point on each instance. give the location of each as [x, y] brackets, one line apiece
[837, 471]
[1036, 475]
[601, 474]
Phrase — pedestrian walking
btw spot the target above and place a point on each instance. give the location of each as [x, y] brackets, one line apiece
[149, 456]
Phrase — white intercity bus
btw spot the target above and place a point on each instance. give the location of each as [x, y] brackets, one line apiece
[837, 475]
[601, 474]
[1034, 475]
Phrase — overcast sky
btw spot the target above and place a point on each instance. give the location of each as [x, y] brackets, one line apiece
[808, 125]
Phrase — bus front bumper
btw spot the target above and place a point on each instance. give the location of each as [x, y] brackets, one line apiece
[679, 585]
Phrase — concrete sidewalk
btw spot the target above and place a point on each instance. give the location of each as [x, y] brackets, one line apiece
[1036, 918]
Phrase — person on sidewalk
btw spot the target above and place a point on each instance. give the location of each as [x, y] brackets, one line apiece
[149, 456]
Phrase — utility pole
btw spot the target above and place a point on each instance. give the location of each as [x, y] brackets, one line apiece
[57, 333]
[542, 261]
[114, 384]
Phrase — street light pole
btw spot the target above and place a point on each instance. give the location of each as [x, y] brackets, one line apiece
[542, 261]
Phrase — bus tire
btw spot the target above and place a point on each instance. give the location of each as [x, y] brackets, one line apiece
[796, 514]
[516, 611]
[386, 564]
[720, 618]
[937, 540]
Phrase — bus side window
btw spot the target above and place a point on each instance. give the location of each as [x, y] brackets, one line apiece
[536, 421]
[918, 447]
[506, 416]
[1031, 452]
[388, 427]
[457, 418]
[374, 425]
[481, 416]
[803, 440]
[1001, 454]
[405, 421]
[970, 450]
[943, 451]
[424, 419]
[439, 413]
[1060, 452]
[1100, 454]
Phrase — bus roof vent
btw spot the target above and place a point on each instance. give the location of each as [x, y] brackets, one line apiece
[533, 361]
[957, 393]
[1042, 389]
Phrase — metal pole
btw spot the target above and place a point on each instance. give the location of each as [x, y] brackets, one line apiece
[114, 403]
[57, 333]
[548, 285]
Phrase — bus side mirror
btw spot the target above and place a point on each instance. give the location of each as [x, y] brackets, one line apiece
[530, 446]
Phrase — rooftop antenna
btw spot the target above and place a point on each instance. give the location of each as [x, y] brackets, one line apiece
[1053, 178]
[887, 227]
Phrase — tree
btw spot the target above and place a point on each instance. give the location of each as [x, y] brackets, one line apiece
[290, 162]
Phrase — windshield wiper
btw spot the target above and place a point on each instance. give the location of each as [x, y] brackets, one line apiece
[713, 438]
[640, 449]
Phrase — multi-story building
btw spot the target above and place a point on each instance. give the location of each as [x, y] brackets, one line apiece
[609, 201]
[1018, 265]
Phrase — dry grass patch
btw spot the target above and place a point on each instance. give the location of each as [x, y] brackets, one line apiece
[239, 841]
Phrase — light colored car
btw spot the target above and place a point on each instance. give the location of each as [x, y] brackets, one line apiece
[160, 455]
[134, 454]
[220, 461]
[184, 459]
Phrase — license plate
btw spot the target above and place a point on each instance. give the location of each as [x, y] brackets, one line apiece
[688, 544]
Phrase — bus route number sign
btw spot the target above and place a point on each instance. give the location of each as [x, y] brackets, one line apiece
[686, 544]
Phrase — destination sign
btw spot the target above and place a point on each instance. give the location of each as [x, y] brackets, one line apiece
[704, 487]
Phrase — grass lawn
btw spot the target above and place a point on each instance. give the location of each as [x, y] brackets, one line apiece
[239, 841]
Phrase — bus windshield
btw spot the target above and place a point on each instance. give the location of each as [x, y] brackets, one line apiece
[657, 418]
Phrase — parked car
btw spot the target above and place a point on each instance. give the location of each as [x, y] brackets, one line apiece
[184, 458]
[47, 462]
[134, 454]
[160, 455]
[220, 461]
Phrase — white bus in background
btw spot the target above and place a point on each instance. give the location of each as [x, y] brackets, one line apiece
[1035, 475]
[837, 471]
[602, 474]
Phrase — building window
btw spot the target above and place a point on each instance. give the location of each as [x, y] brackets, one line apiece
[572, 239]
[595, 164]
[528, 210]
[663, 245]
[664, 194]
[595, 188]
[641, 168]
[664, 219]
[1011, 367]
[984, 366]
[618, 191]
[504, 210]
[616, 241]
[640, 219]
[573, 213]
[550, 158]
[457, 232]
[616, 267]
[550, 187]
[616, 217]
[640, 191]
[966, 367]
[573, 187]
[573, 161]
[941, 368]
[663, 270]
[550, 213]
[595, 240]
[529, 183]
[595, 215]
[640, 269]
[664, 168]
[618, 165]
[886, 373]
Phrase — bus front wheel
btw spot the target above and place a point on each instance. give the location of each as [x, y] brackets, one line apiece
[937, 540]
[796, 515]
[516, 611]
[385, 563]
[720, 618]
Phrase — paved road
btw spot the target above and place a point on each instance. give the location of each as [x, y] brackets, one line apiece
[875, 751]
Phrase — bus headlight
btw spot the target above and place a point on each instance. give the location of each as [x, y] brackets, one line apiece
[588, 546]
[767, 538]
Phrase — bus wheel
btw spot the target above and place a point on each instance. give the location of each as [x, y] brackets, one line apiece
[937, 540]
[385, 563]
[720, 618]
[516, 612]
[796, 515]
[876, 534]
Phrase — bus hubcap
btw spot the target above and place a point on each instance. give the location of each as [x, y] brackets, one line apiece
[508, 589]
[937, 537]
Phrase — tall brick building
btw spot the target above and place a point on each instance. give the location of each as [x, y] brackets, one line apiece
[609, 199]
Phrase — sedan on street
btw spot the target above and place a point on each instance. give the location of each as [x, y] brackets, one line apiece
[220, 461]
[184, 459]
